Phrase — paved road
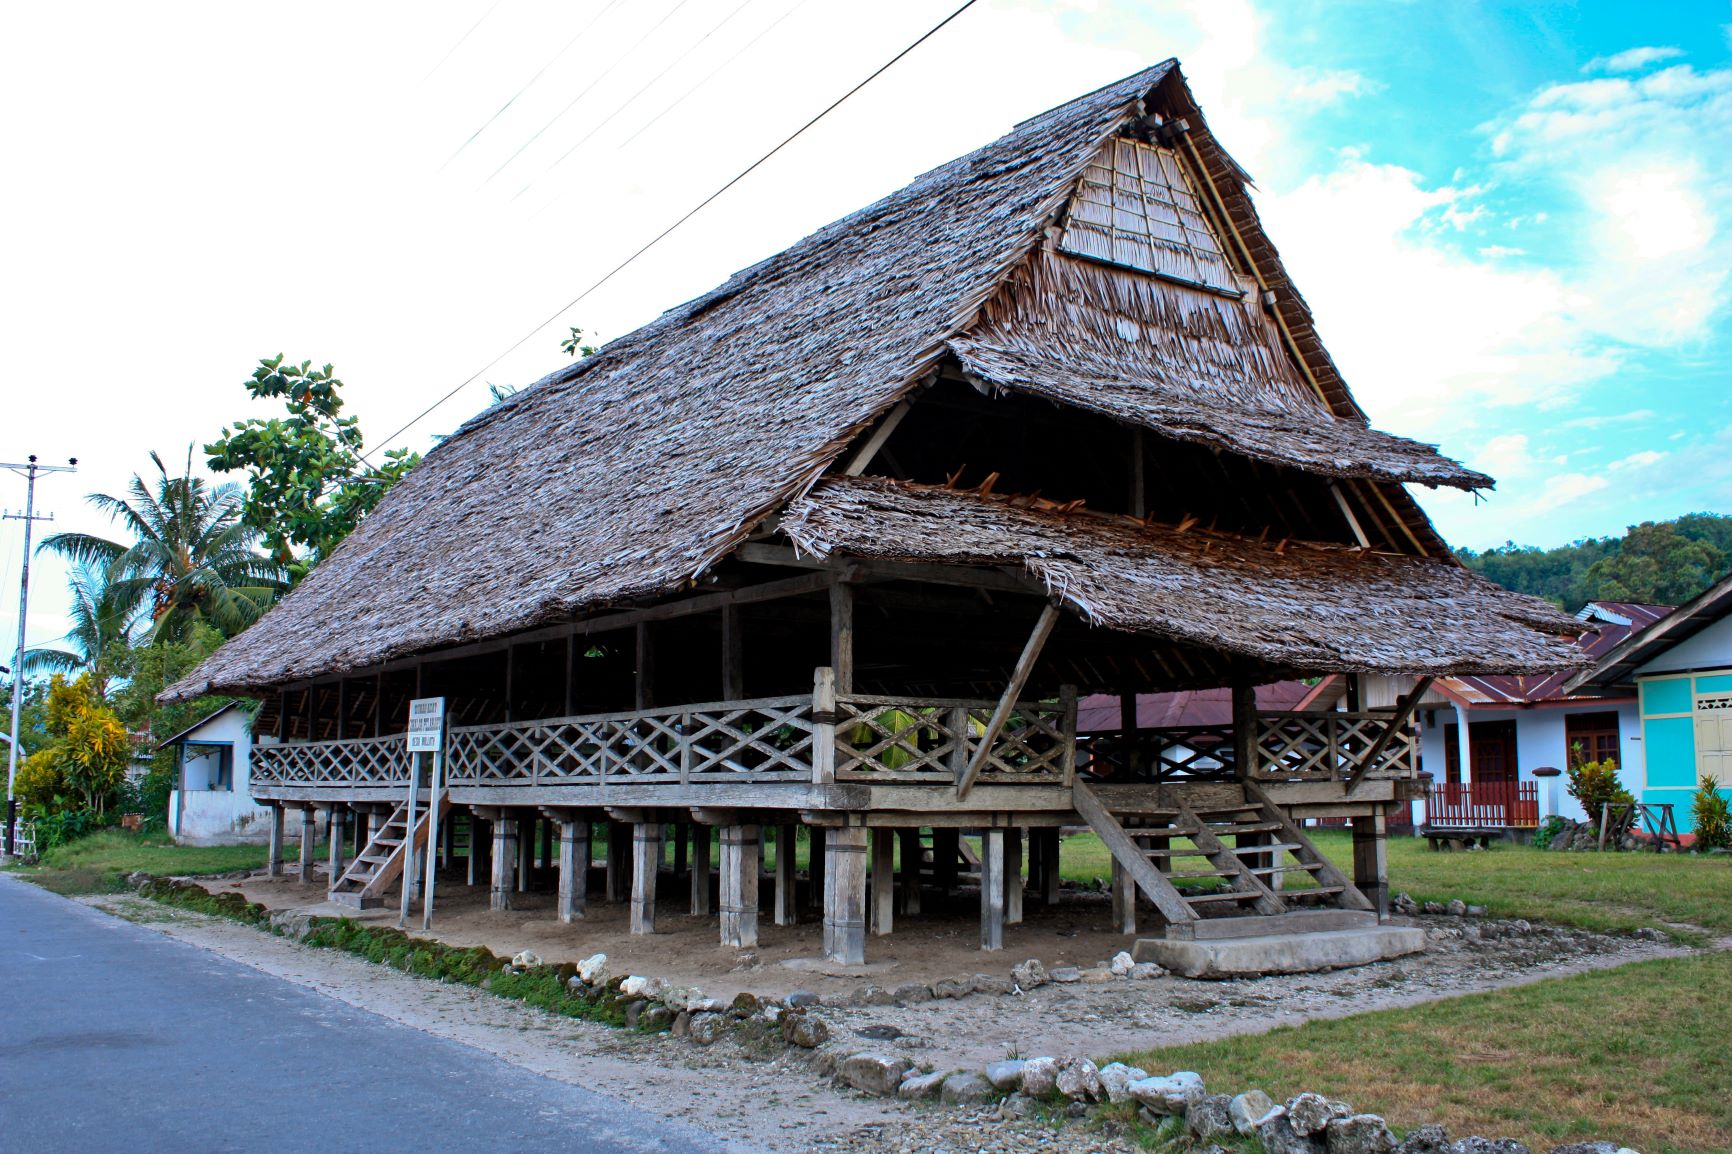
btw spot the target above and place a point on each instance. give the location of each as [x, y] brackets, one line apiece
[116, 1038]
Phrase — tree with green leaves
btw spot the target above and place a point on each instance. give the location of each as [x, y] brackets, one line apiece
[1658, 565]
[308, 484]
[191, 560]
[102, 629]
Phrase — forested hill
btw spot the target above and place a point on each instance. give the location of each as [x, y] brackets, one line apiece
[1656, 562]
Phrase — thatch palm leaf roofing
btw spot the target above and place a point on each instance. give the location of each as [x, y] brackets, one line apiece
[1295, 605]
[627, 474]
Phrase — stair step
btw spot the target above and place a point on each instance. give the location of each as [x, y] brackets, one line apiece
[1226, 828]
[1183, 874]
[1257, 809]
[370, 860]
[1272, 847]
[1314, 891]
[1172, 853]
[1222, 896]
[1142, 831]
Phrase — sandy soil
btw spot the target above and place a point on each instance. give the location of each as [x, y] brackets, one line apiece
[777, 1101]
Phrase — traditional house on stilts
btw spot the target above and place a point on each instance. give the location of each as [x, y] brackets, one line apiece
[838, 544]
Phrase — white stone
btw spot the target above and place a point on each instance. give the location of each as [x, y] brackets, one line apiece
[1039, 1077]
[634, 987]
[524, 959]
[1122, 963]
[1248, 1109]
[1030, 975]
[1116, 1078]
[593, 970]
[1143, 971]
[1172, 1094]
[879, 1074]
[920, 1086]
[1309, 1113]
[1005, 1075]
[1079, 1080]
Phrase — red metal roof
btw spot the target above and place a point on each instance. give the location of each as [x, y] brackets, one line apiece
[1616, 621]
[1099, 712]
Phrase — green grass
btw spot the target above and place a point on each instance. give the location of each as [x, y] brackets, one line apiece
[99, 863]
[1610, 892]
[1637, 1054]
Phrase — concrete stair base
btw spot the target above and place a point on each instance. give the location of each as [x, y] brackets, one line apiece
[1300, 953]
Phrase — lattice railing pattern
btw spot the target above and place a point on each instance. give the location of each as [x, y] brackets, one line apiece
[1173, 752]
[1331, 746]
[358, 761]
[915, 739]
[768, 739]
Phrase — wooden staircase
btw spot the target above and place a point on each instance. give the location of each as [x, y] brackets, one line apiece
[364, 883]
[1217, 871]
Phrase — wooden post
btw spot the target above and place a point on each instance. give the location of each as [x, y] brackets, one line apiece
[1013, 877]
[480, 848]
[525, 853]
[815, 837]
[504, 862]
[700, 870]
[1371, 861]
[786, 909]
[1049, 871]
[910, 872]
[309, 838]
[1018, 678]
[946, 855]
[573, 869]
[274, 868]
[337, 844]
[992, 889]
[1124, 901]
[618, 850]
[842, 634]
[845, 896]
[1244, 731]
[733, 655]
[823, 726]
[646, 666]
[883, 881]
[740, 865]
[646, 864]
[1128, 736]
[680, 833]
[448, 846]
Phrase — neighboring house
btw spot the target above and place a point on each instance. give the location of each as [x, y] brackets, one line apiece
[1522, 731]
[211, 803]
[1680, 667]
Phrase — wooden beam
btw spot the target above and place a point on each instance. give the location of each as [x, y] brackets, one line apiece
[733, 655]
[1244, 731]
[992, 884]
[845, 896]
[646, 865]
[842, 634]
[504, 884]
[700, 871]
[1403, 710]
[646, 666]
[883, 881]
[997, 580]
[867, 451]
[573, 868]
[740, 865]
[786, 908]
[1018, 678]
[274, 867]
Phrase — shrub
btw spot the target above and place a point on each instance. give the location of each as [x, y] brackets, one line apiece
[1595, 784]
[1712, 816]
[1548, 829]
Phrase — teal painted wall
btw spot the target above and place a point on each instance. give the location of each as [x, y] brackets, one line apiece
[1670, 696]
[1669, 743]
[1671, 753]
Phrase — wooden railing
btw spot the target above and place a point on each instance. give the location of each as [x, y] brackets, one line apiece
[360, 761]
[1331, 747]
[772, 739]
[1169, 753]
[1487, 804]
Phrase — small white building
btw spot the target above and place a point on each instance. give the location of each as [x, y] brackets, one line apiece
[212, 803]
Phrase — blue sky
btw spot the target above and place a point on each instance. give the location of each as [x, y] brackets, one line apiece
[1512, 221]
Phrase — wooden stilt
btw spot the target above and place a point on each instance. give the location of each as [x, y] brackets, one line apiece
[1036, 849]
[646, 863]
[274, 868]
[786, 888]
[573, 869]
[1124, 901]
[525, 853]
[480, 849]
[946, 858]
[992, 889]
[309, 839]
[701, 871]
[504, 863]
[1371, 860]
[845, 896]
[815, 866]
[680, 833]
[618, 853]
[883, 881]
[1049, 862]
[338, 845]
[910, 872]
[544, 843]
[1013, 877]
[740, 866]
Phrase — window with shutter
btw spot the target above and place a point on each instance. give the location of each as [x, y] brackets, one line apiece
[1714, 737]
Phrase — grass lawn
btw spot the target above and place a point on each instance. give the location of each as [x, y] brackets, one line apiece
[1611, 892]
[99, 863]
[1638, 1055]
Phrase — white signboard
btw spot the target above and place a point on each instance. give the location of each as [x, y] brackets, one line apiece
[426, 725]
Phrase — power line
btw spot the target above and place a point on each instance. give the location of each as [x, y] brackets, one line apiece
[664, 233]
[686, 95]
[630, 100]
[526, 85]
[460, 42]
[606, 72]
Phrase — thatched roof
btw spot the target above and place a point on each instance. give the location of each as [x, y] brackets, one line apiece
[628, 474]
[1294, 605]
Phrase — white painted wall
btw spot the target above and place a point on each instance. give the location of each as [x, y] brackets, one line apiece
[219, 816]
[1709, 649]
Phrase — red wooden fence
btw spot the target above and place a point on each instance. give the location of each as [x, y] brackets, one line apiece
[1484, 803]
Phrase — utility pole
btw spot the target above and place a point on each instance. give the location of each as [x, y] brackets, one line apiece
[29, 517]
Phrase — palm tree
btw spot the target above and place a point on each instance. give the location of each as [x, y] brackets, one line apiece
[191, 559]
[101, 626]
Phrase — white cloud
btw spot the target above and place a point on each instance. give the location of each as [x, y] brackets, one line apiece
[1331, 85]
[1505, 455]
[1599, 421]
[1565, 489]
[1631, 59]
[1641, 460]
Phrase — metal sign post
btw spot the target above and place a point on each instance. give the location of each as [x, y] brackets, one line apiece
[426, 734]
